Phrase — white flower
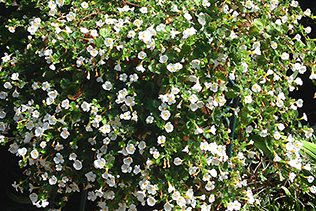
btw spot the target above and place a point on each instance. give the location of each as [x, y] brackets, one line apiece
[285, 56]
[118, 67]
[264, 133]
[123, 77]
[165, 114]
[11, 29]
[51, 5]
[310, 179]
[277, 135]
[171, 67]
[151, 201]
[308, 29]
[294, 4]
[274, 45]
[177, 161]
[292, 176]
[5, 58]
[84, 5]
[248, 99]
[143, 10]
[107, 85]
[256, 88]
[189, 32]
[85, 106]
[77, 165]
[205, 3]
[7, 85]
[105, 129]
[70, 16]
[90, 176]
[161, 139]
[169, 127]
[130, 149]
[65, 104]
[52, 94]
[142, 55]
[163, 59]
[64, 134]
[126, 115]
[52, 180]
[131, 34]
[149, 119]
[137, 23]
[94, 52]
[99, 163]
[133, 77]
[34, 154]
[108, 42]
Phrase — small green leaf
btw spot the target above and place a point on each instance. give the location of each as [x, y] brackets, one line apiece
[231, 93]
[105, 32]
[259, 23]
[260, 143]
[287, 192]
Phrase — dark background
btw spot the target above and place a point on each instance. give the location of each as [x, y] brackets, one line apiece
[10, 200]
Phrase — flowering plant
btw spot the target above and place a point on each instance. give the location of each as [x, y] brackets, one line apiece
[180, 102]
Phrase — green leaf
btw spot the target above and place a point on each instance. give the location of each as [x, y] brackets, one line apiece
[259, 23]
[295, 74]
[99, 42]
[287, 192]
[231, 93]
[260, 143]
[75, 115]
[105, 32]
[310, 149]
[186, 49]
[64, 83]
[253, 31]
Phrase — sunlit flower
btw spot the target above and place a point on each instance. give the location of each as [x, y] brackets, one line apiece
[84, 5]
[248, 99]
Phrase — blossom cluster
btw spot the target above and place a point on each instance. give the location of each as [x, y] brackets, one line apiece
[134, 102]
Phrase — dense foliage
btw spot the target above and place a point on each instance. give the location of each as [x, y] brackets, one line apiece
[180, 102]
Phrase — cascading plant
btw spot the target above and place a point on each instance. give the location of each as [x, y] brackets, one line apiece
[133, 100]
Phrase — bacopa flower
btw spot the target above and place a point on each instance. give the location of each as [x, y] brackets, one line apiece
[85, 106]
[90, 176]
[177, 161]
[285, 56]
[107, 85]
[274, 45]
[64, 134]
[171, 67]
[77, 165]
[248, 99]
[142, 55]
[108, 42]
[130, 149]
[84, 5]
[161, 139]
[169, 127]
[34, 154]
[52, 180]
[105, 129]
[149, 119]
